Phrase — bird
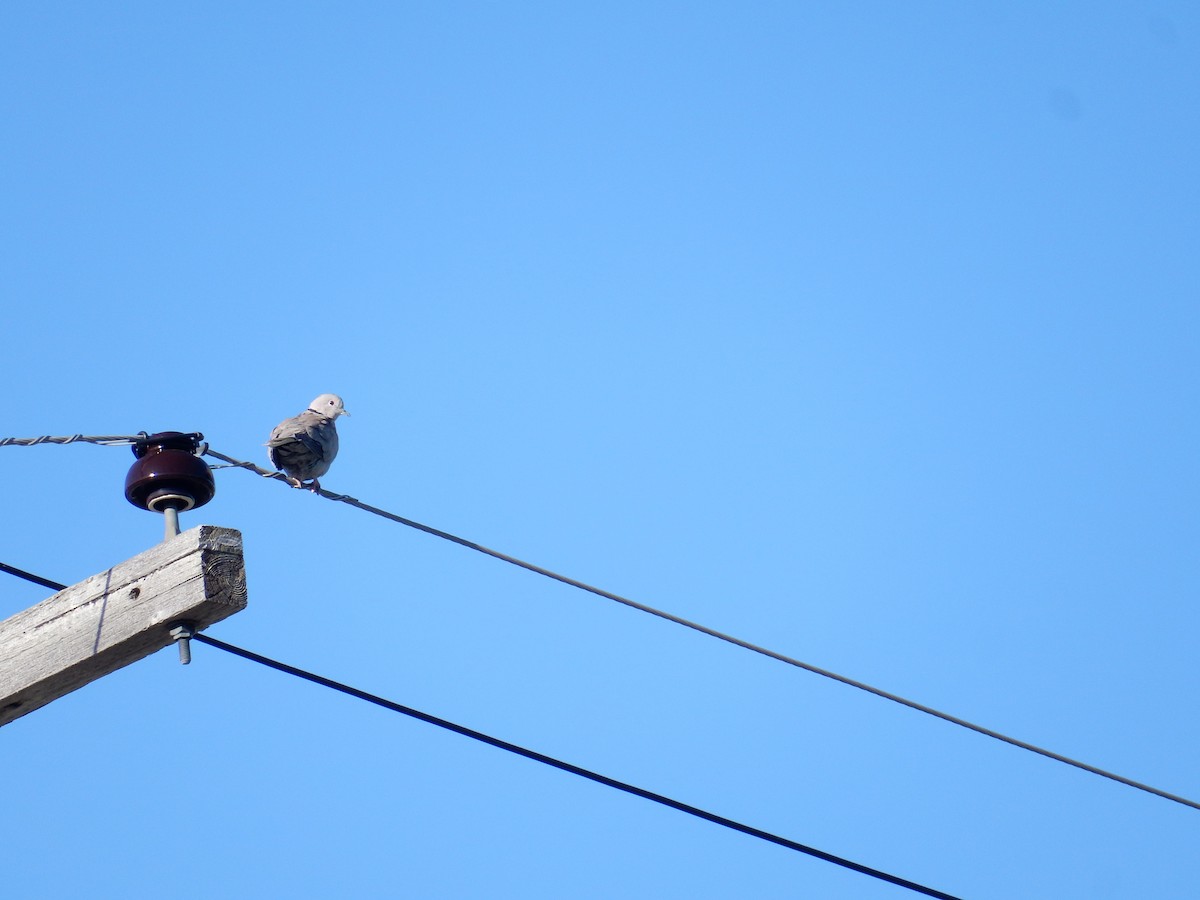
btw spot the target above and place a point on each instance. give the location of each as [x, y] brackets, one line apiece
[303, 447]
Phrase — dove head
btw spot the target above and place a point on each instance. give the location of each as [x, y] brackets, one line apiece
[329, 405]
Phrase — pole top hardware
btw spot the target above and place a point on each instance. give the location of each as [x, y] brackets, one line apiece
[169, 473]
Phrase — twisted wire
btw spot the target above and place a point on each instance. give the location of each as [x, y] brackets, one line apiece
[112, 440]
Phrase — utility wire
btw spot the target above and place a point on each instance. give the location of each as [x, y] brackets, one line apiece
[573, 769]
[530, 754]
[29, 576]
[112, 440]
[736, 641]
[662, 614]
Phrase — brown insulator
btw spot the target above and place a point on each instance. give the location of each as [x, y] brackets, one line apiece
[169, 473]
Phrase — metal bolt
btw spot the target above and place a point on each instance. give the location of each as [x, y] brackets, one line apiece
[181, 633]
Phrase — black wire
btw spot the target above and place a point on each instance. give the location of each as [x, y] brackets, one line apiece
[29, 576]
[568, 767]
[728, 638]
[531, 754]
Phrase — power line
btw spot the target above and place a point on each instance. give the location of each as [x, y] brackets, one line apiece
[530, 754]
[728, 638]
[662, 614]
[571, 768]
[113, 440]
[29, 576]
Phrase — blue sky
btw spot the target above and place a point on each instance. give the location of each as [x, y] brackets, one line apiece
[866, 332]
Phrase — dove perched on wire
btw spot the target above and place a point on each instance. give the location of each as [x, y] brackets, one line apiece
[304, 446]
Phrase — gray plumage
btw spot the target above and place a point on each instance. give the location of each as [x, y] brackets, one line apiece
[303, 447]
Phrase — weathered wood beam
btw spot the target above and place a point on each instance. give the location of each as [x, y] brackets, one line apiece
[117, 617]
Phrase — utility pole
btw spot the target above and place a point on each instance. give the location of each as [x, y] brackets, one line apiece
[119, 616]
[161, 596]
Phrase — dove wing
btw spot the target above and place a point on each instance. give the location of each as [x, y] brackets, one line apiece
[301, 442]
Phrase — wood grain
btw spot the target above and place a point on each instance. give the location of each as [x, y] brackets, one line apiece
[118, 616]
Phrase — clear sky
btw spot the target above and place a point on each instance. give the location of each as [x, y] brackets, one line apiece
[864, 331]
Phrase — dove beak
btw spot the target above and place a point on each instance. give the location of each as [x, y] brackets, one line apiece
[344, 412]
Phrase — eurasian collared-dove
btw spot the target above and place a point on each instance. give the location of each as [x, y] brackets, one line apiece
[304, 446]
